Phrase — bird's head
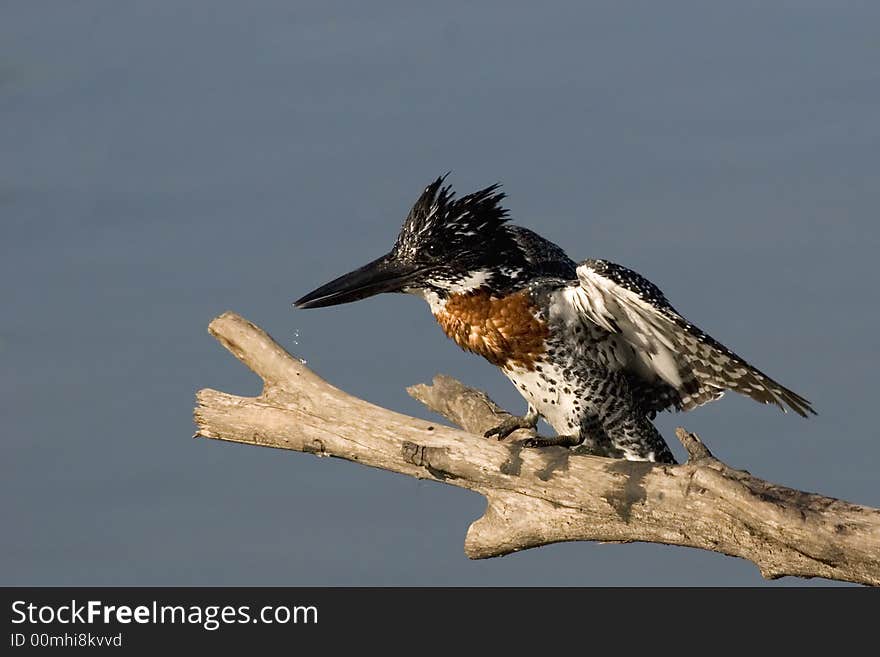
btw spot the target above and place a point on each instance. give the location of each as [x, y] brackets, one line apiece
[446, 245]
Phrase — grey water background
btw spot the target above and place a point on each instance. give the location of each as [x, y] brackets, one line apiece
[161, 162]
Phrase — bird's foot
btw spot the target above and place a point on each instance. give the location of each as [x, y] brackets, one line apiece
[511, 424]
[551, 441]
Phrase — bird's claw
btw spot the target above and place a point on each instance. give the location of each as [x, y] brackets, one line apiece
[509, 425]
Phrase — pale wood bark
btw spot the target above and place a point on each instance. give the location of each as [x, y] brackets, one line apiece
[546, 495]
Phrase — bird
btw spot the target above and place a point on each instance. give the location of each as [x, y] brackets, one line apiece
[595, 349]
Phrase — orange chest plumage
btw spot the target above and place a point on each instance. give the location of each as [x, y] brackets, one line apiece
[505, 331]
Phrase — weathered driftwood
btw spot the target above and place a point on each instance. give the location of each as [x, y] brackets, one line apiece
[541, 496]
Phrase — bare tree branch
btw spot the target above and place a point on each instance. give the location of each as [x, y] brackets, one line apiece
[546, 495]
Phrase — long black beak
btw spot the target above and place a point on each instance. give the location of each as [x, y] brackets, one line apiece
[385, 274]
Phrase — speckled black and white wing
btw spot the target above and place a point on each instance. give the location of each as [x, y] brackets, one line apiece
[666, 344]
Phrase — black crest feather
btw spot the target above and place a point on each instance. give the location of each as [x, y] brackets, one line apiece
[439, 217]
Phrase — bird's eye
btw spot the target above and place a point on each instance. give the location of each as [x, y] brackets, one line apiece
[432, 249]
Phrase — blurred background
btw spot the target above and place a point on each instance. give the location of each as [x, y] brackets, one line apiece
[161, 162]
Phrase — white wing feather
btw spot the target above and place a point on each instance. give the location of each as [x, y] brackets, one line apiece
[622, 302]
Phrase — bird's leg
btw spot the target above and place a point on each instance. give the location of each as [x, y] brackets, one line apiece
[511, 424]
[552, 441]
[589, 440]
